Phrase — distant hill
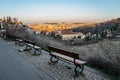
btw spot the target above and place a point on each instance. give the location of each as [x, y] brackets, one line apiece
[112, 25]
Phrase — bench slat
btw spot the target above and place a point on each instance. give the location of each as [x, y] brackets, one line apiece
[36, 47]
[29, 44]
[20, 40]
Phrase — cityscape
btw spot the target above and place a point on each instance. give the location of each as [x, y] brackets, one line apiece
[59, 40]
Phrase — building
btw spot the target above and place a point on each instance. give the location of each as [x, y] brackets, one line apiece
[71, 35]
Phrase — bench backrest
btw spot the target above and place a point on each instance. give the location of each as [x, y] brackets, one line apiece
[64, 52]
[29, 41]
[12, 36]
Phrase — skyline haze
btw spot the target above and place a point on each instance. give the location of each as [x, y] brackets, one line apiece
[36, 11]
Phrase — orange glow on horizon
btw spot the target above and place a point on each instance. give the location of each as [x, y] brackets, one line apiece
[58, 26]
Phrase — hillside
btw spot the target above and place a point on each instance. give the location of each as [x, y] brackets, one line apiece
[112, 25]
[105, 54]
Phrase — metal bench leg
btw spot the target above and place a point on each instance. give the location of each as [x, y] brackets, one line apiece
[81, 67]
[56, 59]
[21, 43]
[37, 50]
[16, 42]
[28, 48]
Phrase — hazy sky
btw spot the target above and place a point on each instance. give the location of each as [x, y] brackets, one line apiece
[60, 10]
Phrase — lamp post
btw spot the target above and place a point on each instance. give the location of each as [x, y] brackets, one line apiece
[2, 30]
[1, 25]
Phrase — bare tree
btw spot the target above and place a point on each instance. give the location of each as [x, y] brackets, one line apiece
[15, 20]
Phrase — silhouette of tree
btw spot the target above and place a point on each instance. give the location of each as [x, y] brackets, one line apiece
[10, 20]
[15, 20]
[4, 19]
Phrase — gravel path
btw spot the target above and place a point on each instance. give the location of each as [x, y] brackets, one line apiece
[61, 70]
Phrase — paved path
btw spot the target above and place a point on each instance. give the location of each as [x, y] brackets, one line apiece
[15, 67]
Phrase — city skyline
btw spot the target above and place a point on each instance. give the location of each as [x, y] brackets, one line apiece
[37, 11]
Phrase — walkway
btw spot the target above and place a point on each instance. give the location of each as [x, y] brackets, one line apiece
[15, 67]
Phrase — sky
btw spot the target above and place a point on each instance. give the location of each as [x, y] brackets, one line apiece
[37, 11]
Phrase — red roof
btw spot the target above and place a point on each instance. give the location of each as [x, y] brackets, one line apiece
[69, 33]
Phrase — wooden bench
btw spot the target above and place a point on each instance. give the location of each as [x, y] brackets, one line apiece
[57, 53]
[3, 32]
[31, 45]
[28, 43]
[19, 41]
